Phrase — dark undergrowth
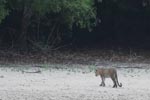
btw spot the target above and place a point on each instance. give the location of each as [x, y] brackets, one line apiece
[78, 56]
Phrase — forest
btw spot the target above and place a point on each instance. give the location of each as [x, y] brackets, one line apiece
[45, 25]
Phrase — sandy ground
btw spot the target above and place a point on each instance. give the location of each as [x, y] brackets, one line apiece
[62, 84]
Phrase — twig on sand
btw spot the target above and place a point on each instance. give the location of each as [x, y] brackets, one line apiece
[38, 71]
[1, 76]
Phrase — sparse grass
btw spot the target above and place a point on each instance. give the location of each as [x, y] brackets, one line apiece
[76, 59]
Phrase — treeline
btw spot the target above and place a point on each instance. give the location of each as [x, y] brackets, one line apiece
[50, 24]
[43, 24]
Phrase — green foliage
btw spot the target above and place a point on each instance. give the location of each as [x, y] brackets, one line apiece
[48, 19]
[81, 12]
[70, 11]
[3, 11]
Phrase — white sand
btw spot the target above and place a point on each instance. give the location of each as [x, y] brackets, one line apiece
[69, 85]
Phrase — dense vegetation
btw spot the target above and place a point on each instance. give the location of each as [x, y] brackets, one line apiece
[37, 23]
[50, 24]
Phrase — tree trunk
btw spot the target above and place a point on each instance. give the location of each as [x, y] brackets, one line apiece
[25, 21]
